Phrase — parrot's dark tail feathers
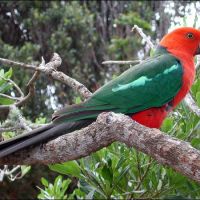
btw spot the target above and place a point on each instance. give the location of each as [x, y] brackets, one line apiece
[40, 135]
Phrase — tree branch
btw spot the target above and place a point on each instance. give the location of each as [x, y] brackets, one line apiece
[7, 129]
[121, 62]
[9, 97]
[108, 128]
[146, 38]
[22, 121]
[50, 69]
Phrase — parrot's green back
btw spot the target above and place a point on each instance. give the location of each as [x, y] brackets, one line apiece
[151, 83]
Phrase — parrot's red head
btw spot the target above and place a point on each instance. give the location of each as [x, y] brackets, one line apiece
[185, 40]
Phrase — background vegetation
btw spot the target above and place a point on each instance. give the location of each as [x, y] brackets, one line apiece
[85, 33]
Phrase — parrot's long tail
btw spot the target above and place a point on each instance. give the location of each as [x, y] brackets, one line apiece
[40, 135]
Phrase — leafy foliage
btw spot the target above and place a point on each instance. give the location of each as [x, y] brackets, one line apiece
[131, 19]
[54, 191]
[5, 86]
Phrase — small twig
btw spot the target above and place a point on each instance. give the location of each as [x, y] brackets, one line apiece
[31, 87]
[6, 126]
[121, 62]
[14, 170]
[11, 63]
[143, 35]
[4, 129]
[10, 97]
[22, 121]
[10, 173]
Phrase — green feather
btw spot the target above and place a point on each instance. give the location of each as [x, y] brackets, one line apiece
[151, 83]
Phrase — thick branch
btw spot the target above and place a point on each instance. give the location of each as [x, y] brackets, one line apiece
[108, 128]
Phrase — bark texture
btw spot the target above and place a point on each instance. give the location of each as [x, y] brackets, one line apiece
[108, 128]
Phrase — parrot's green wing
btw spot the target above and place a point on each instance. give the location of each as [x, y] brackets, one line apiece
[151, 83]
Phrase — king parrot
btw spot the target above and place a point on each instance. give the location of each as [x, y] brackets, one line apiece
[147, 92]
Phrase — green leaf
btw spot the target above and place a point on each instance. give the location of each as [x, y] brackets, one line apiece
[25, 169]
[40, 120]
[50, 189]
[79, 193]
[68, 168]
[2, 82]
[44, 182]
[167, 124]
[196, 143]
[152, 51]
[57, 184]
[77, 100]
[90, 194]
[40, 196]
[159, 186]
[123, 173]
[1, 73]
[6, 101]
[120, 162]
[107, 173]
[5, 87]
[198, 98]
[8, 74]
[8, 135]
[65, 185]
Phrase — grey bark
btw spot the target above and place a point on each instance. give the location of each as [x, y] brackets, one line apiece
[110, 127]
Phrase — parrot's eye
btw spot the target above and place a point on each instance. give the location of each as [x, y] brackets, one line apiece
[190, 36]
